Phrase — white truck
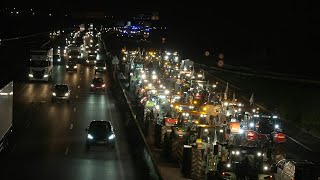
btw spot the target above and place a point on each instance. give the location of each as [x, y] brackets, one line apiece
[74, 53]
[186, 68]
[6, 110]
[41, 65]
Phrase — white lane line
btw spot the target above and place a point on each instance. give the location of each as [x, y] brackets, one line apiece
[66, 151]
[71, 126]
[28, 124]
[74, 109]
[121, 169]
[78, 87]
[299, 143]
[119, 161]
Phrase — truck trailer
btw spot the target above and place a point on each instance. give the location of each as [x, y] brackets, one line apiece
[6, 111]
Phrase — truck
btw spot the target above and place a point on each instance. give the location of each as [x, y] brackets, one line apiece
[82, 27]
[41, 65]
[74, 53]
[6, 110]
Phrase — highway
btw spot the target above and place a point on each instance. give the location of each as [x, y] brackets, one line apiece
[50, 143]
[50, 140]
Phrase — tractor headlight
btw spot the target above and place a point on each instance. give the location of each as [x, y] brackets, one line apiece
[89, 136]
[112, 136]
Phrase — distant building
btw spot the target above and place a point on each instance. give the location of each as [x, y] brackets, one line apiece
[148, 16]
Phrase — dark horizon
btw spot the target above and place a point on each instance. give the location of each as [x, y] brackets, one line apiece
[276, 38]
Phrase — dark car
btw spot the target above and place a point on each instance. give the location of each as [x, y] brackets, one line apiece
[100, 133]
[91, 60]
[71, 65]
[100, 66]
[97, 83]
[60, 92]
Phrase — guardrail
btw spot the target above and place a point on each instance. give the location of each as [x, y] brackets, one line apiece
[140, 149]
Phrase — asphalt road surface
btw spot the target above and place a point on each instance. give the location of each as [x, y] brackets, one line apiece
[50, 143]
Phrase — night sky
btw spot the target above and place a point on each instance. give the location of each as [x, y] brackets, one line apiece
[276, 36]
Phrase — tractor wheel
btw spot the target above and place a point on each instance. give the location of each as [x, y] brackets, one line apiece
[162, 135]
[157, 135]
[176, 150]
[166, 143]
[197, 168]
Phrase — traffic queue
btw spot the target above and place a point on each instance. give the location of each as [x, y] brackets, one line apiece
[198, 124]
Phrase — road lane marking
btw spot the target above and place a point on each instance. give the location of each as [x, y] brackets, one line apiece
[28, 124]
[119, 162]
[71, 126]
[299, 143]
[66, 151]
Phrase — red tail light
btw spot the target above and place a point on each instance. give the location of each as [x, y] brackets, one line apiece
[251, 135]
[279, 137]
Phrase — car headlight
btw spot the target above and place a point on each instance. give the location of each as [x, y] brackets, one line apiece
[103, 85]
[46, 75]
[96, 67]
[92, 85]
[54, 94]
[277, 126]
[95, 61]
[251, 125]
[67, 94]
[89, 136]
[30, 75]
[104, 68]
[75, 67]
[112, 136]
[67, 66]
[78, 56]
[69, 56]
[259, 154]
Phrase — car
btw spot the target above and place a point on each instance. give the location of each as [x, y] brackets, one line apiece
[60, 92]
[71, 65]
[100, 133]
[97, 83]
[100, 66]
[91, 60]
